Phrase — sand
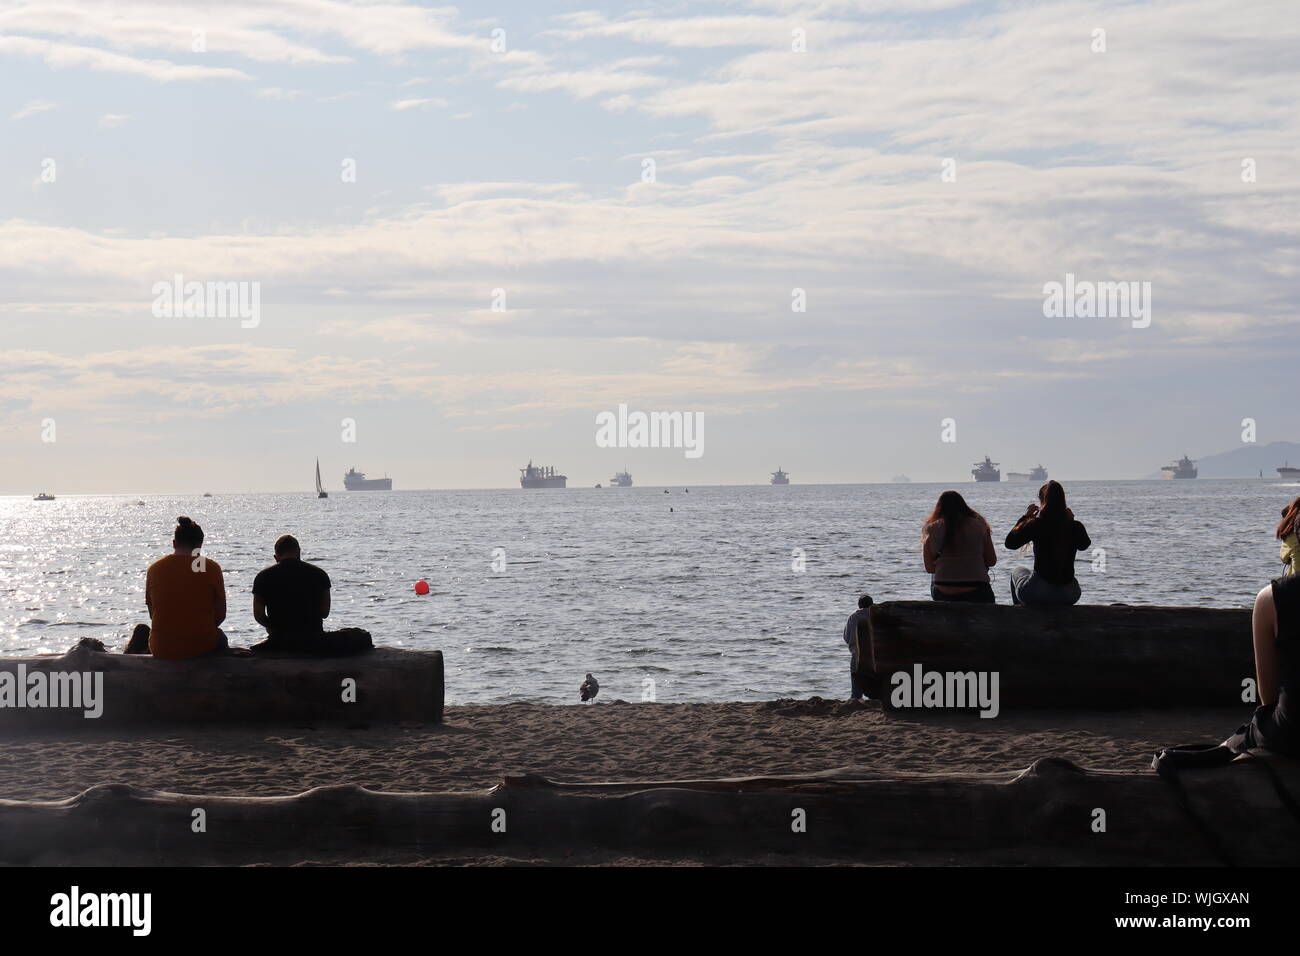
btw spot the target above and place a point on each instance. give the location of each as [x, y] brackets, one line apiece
[608, 741]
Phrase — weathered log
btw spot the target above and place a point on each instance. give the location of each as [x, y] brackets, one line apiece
[1054, 812]
[383, 685]
[1112, 656]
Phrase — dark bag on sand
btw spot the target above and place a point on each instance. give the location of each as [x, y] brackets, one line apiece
[1169, 761]
[1256, 733]
[342, 643]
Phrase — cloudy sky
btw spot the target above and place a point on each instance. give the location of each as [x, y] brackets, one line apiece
[919, 168]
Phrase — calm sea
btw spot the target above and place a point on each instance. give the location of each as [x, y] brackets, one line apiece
[716, 593]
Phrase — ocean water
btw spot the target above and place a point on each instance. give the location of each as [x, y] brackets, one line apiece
[699, 591]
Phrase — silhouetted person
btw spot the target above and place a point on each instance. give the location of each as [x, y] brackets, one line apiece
[1275, 724]
[957, 548]
[291, 599]
[1275, 624]
[857, 626]
[1057, 536]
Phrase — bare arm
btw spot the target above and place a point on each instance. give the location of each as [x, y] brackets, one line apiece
[219, 600]
[259, 611]
[1264, 626]
[325, 604]
[990, 553]
[928, 555]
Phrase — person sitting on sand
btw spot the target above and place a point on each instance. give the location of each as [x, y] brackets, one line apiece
[1275, 626]
[1056, 536]
[957, 548]
[1288, 532]
[858, 619]
[186, 596]
[1275, 724]
[291, 599]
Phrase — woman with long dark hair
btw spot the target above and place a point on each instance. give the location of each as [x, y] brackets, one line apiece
[1056, 537]
[957, 548]
[1288, 532]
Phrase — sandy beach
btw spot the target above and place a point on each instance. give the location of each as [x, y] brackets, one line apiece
[612, 741]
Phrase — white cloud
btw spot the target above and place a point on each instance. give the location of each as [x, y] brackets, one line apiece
[61, 56]
[416, 104]
[33, 108]
[113, 120]
[277, 93]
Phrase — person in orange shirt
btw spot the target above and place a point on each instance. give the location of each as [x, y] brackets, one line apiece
[186, 597]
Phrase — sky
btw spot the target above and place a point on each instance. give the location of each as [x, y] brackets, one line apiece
[825, 227]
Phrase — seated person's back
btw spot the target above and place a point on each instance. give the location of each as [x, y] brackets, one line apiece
[291, 598]
[1055, 544]
[957, 548]
[183, 592]
[959, 553]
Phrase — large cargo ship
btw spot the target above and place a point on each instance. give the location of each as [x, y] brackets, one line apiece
[779, 477]
[1289, 472]
[540, 477]
[1037, 473]
[357, 481]
[1183, 468]
[986, 470]
[621, 480]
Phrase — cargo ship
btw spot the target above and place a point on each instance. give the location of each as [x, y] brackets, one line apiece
[44, 496]
[357, 481]
[621, 480]
[779, 477]
[986, 470]
[540, 477]
[1182, 468]
[1289, 471]
[1038, 473]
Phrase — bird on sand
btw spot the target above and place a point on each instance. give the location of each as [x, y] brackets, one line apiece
[589, 688]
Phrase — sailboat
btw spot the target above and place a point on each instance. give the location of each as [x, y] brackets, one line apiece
[320, 489]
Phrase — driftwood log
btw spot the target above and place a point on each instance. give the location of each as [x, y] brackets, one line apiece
[382, 685]
[1053, 812]
[1112, 656]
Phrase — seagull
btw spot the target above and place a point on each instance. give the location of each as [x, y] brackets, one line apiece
[589, 688]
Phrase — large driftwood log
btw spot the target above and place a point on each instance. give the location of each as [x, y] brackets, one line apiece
[383, 685]
[1053, 812]
[1112, 656]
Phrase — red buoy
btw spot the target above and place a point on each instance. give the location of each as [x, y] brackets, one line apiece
[421, 587]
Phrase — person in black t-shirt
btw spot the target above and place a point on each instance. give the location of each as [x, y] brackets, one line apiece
[291, 599]
[1057, 536]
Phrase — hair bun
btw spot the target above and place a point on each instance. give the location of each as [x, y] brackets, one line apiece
[184, 521]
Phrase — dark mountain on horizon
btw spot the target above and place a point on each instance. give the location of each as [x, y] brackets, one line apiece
[1247, 461]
